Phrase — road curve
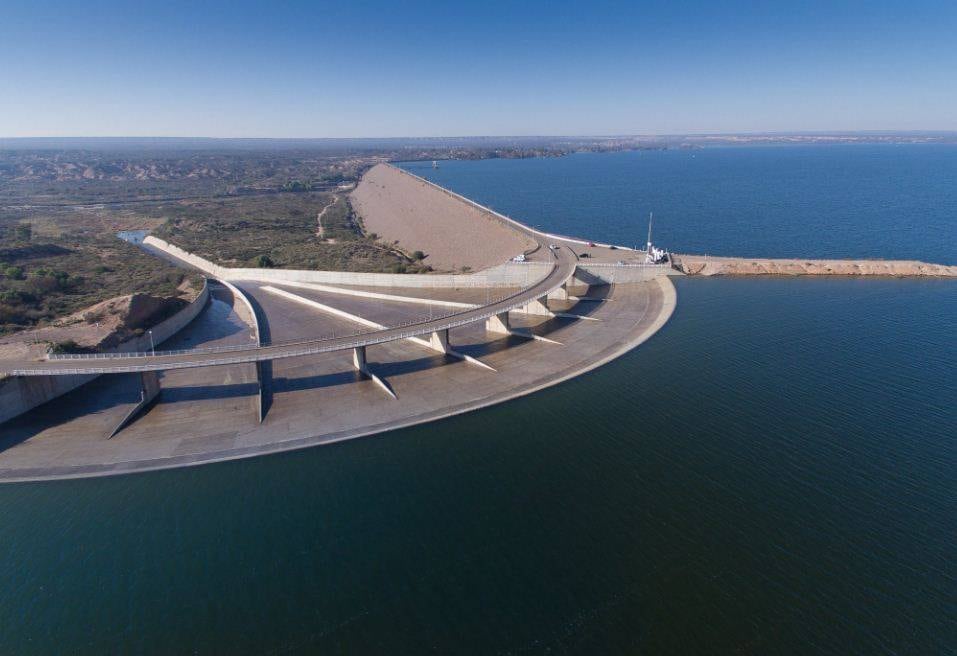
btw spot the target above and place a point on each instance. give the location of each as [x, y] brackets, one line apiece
[564, 261]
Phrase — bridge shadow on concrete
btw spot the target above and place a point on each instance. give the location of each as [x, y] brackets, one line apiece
[100, 395]
[402, 367]
[478, 349]
[207, 392]
[109, 391]
[298, 384]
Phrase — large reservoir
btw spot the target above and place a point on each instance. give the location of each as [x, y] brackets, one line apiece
[774, 469]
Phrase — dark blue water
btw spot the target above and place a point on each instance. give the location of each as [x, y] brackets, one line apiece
[891, 202]
[773, 473]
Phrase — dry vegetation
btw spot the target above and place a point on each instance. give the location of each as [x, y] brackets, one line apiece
[251, 204]
[278, 231]
[58, 262]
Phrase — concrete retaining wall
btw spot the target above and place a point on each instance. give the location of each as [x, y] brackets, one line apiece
[241, 295]
[510, 274]
[21, 393]
[621, 273]
[262, 376]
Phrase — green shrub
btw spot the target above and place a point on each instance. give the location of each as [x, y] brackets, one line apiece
[263, 262]
[14, 273]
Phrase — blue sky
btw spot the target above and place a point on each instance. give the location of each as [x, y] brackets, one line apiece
[311, 69]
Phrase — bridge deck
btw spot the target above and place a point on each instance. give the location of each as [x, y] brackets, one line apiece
[563, 268]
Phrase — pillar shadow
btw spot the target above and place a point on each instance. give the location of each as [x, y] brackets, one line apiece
[102, 394]
[402, 367]
[207, 392]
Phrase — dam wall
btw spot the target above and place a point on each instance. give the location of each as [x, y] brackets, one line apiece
[509, 274]
[506, 220]
[21, 393]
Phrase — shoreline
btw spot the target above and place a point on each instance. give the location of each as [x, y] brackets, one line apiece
[707, 265]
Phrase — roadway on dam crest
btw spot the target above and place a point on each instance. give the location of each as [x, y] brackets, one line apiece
[208, 414]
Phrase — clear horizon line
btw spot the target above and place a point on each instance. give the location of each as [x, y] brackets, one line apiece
[632, 135]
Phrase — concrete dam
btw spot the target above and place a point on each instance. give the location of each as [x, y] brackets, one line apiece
[273, 360]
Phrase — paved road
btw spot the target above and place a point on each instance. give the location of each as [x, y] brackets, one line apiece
[564, 261]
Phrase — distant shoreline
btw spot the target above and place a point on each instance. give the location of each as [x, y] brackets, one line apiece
[568, 143]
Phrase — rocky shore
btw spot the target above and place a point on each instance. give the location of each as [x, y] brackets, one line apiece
[706, 265]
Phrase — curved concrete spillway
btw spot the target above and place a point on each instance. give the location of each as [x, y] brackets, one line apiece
[209, 414]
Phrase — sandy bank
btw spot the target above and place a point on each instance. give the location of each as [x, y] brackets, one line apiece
[700, 265]
[452, 234]
[103, 326]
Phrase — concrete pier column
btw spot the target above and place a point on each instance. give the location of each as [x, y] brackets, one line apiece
[359, 360]
[498, 323]
[560, 294]
[150, 384]
[538, 306]
[440, 340]
[359, 357]
[261, 397]
[149, 391]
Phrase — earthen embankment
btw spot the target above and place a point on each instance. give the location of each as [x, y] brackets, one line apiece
[453, 235]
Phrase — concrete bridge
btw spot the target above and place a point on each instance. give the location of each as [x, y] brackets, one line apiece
[532, 298]
[432, 333]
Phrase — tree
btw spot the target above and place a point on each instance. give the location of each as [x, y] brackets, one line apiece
[14, 273]
[263, 262]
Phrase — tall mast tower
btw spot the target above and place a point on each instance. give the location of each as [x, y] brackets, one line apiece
[650, 218]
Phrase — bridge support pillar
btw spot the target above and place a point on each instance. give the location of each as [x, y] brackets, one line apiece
[560, 294]
[498, 323]
[359, 361]
[149, 391]
[440, 341]
[261, 393]
[359, 358]
[538, 306]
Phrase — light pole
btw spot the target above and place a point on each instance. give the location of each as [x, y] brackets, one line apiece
[152, 347]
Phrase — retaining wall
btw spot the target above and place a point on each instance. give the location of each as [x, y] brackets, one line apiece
[241, 295]
[621, 273]
[21, 393]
